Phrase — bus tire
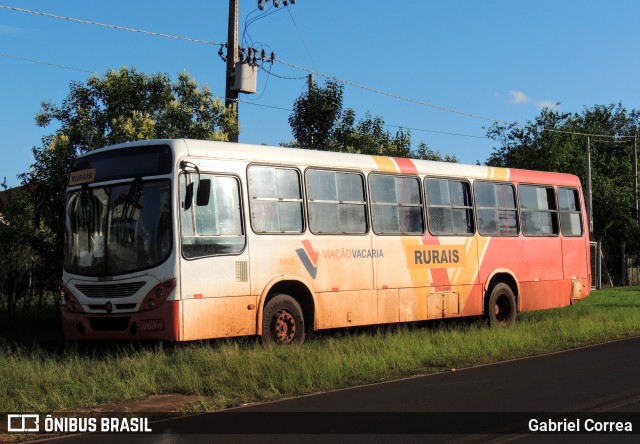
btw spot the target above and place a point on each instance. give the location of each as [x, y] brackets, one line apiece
[282, 321]
[501, 307]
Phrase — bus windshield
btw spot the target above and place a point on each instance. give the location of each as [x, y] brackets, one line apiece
[119, 228]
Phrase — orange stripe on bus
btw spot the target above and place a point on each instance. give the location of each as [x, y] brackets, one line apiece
[440, 276]
[386, 164]
[498, 173]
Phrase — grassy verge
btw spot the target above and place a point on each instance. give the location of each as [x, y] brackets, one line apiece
[231, 372]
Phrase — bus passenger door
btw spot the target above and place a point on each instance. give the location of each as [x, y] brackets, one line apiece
[575, 245]
[216, 296]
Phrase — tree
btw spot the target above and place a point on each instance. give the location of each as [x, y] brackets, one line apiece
[122, 106]
[126, 105]
[556, 141]
[368, 136]
[425, 153]
[315, 113]
[25, 247]
[318, 122]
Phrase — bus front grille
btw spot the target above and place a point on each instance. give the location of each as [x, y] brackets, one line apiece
[118, 306]
[123, 290]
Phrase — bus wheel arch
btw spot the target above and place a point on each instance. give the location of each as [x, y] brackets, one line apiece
[501, 300]
[298, 292]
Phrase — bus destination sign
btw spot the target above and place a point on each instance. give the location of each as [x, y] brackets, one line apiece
[82, 176]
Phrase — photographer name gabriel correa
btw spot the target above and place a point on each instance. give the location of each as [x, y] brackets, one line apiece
[578, 425]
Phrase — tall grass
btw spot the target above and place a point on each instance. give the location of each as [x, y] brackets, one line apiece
[232, 372]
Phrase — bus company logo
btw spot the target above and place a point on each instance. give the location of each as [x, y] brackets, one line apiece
[309, 258]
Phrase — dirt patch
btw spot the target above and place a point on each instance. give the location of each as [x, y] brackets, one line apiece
[172, 403]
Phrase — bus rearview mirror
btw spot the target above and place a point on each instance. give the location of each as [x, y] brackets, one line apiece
[204, 190]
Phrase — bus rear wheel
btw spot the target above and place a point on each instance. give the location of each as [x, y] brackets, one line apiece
[501, 306]
[282, 321]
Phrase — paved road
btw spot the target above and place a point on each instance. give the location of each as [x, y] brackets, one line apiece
[603, 378]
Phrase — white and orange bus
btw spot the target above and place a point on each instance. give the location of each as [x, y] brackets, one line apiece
[184, 240]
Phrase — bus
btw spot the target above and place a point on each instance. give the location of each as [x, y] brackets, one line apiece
[183, 240]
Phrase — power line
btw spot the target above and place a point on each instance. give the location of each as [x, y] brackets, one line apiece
[438, 107]
[315, 72]
[437, 132]
[55, 65]
[41, 62]
[392, 95]
[104, 25]
[278, 76]
[574, 133]
[266, 106]
[386, 124]
[249, 21]
[301, 37]
[346, 82]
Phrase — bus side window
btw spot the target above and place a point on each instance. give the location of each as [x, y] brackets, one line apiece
[336, 202]
[570, 211]
[496, 208]
[538, 210]
[396, 204]
[449, 207]
[275, 199]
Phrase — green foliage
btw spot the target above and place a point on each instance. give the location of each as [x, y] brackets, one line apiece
[126, 105]
[315, 113]
[318, 122]
[426, 153]
[557, 141]
[25, 253]
[368, 136]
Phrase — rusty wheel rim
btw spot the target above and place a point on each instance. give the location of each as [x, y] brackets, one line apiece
[283, 327]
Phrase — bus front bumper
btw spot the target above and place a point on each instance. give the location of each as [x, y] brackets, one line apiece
[162, 323]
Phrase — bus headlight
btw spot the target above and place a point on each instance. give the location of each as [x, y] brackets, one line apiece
[158, 295]
[71, 303]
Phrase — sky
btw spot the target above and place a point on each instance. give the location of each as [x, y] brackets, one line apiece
[433, 67]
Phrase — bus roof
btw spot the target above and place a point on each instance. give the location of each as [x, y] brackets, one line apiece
[207, 149]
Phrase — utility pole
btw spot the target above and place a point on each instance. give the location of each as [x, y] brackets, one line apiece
[231, 96]
[310, 83]
[635, 175]
[589, 194]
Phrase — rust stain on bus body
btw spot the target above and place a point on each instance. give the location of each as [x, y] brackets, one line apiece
[218, 317]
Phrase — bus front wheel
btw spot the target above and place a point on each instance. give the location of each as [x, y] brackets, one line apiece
[501, 307]
[282, 321]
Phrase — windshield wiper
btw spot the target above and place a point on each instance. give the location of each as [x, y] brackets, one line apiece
[131, 203]
[86, 213]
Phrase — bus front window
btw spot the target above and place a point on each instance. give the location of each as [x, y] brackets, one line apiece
[118, 229]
